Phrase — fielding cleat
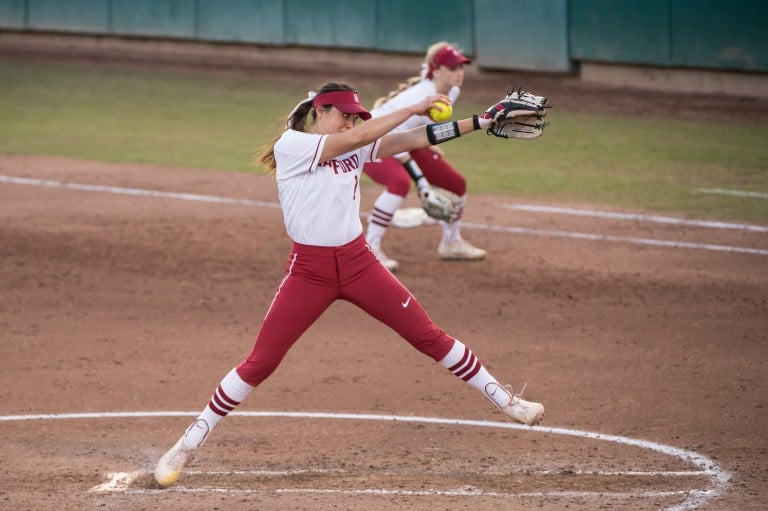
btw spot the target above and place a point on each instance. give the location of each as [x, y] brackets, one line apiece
[460, 249]
[170, 466]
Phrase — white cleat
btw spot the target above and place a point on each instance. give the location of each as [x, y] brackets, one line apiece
[460, 249]
[170, 466]
[525, 412]
[168, 469]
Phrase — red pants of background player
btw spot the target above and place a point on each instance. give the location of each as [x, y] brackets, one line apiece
[391, 173]
[315, 277]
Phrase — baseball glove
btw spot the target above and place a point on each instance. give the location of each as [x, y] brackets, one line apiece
[524, 127]
[440, 204]
[519, 115]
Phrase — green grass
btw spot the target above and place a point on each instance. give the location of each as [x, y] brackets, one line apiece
[218, 121]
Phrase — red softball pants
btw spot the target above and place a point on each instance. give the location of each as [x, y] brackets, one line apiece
[317, 276]
[391, 173]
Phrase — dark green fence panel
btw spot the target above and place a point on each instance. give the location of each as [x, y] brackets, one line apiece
[72, 15]
[724, 34]
[252, 21]
[13, 14]
[520, 34]
[413, 25]
[163, 18]
[621, 31]
[332, 23]
[543, 35]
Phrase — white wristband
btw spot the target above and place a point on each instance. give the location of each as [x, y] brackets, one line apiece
[480, 123]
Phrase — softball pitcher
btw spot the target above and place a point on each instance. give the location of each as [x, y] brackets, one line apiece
[317, 163]
[442, 73]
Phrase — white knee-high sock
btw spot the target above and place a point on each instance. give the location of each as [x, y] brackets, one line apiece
[381, 216]
[231, 392]
[465, 365]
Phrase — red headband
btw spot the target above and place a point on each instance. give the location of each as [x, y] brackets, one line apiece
[347, 101]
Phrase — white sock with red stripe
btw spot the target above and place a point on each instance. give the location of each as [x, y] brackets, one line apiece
[381, 216]
[231, 392]
[465, 365]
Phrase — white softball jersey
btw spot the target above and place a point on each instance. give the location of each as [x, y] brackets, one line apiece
[320, 200]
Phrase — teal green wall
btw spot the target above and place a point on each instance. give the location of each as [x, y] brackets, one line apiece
[626, 31]
[412, 25]
[521, 34]
[731, 35]
[166, 18]
[541, 35]
[707, 34]
[13, 14]
[340, 23]
[246, 21]
[72, 15]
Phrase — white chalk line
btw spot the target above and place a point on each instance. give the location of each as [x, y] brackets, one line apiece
[137, 192]
[736, 193]
[457, 492]
[540, 473]
[617, 239]
[122, 481]
[718, 478]
[635, 217]
[274, 205]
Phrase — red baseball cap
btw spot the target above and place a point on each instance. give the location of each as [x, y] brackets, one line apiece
[347, 101]
[448, 56]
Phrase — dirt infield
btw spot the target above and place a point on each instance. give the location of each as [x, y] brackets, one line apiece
[115, 302]
[646, 341]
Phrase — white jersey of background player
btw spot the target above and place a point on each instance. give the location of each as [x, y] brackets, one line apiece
[443, 73]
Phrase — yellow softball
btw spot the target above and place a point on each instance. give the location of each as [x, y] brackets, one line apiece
[440, 112]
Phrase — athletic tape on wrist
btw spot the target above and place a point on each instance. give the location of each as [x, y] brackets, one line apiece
[442, 132]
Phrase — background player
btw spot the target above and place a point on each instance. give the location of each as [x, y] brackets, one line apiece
[317, 163]
[442, 73]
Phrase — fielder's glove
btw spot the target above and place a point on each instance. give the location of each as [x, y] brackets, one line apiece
[440, 204]
[519, 115]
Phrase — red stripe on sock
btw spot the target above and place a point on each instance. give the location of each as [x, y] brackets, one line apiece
[478, 365]
[386, 215]
[213, 406]
[228, 400]
[221, 403]
[456, 366]
[467, 368]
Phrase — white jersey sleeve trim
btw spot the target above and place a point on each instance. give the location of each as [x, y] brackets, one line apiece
[374, 154]
[318, 151]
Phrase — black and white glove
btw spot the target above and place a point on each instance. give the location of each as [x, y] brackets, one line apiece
[519, 115]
